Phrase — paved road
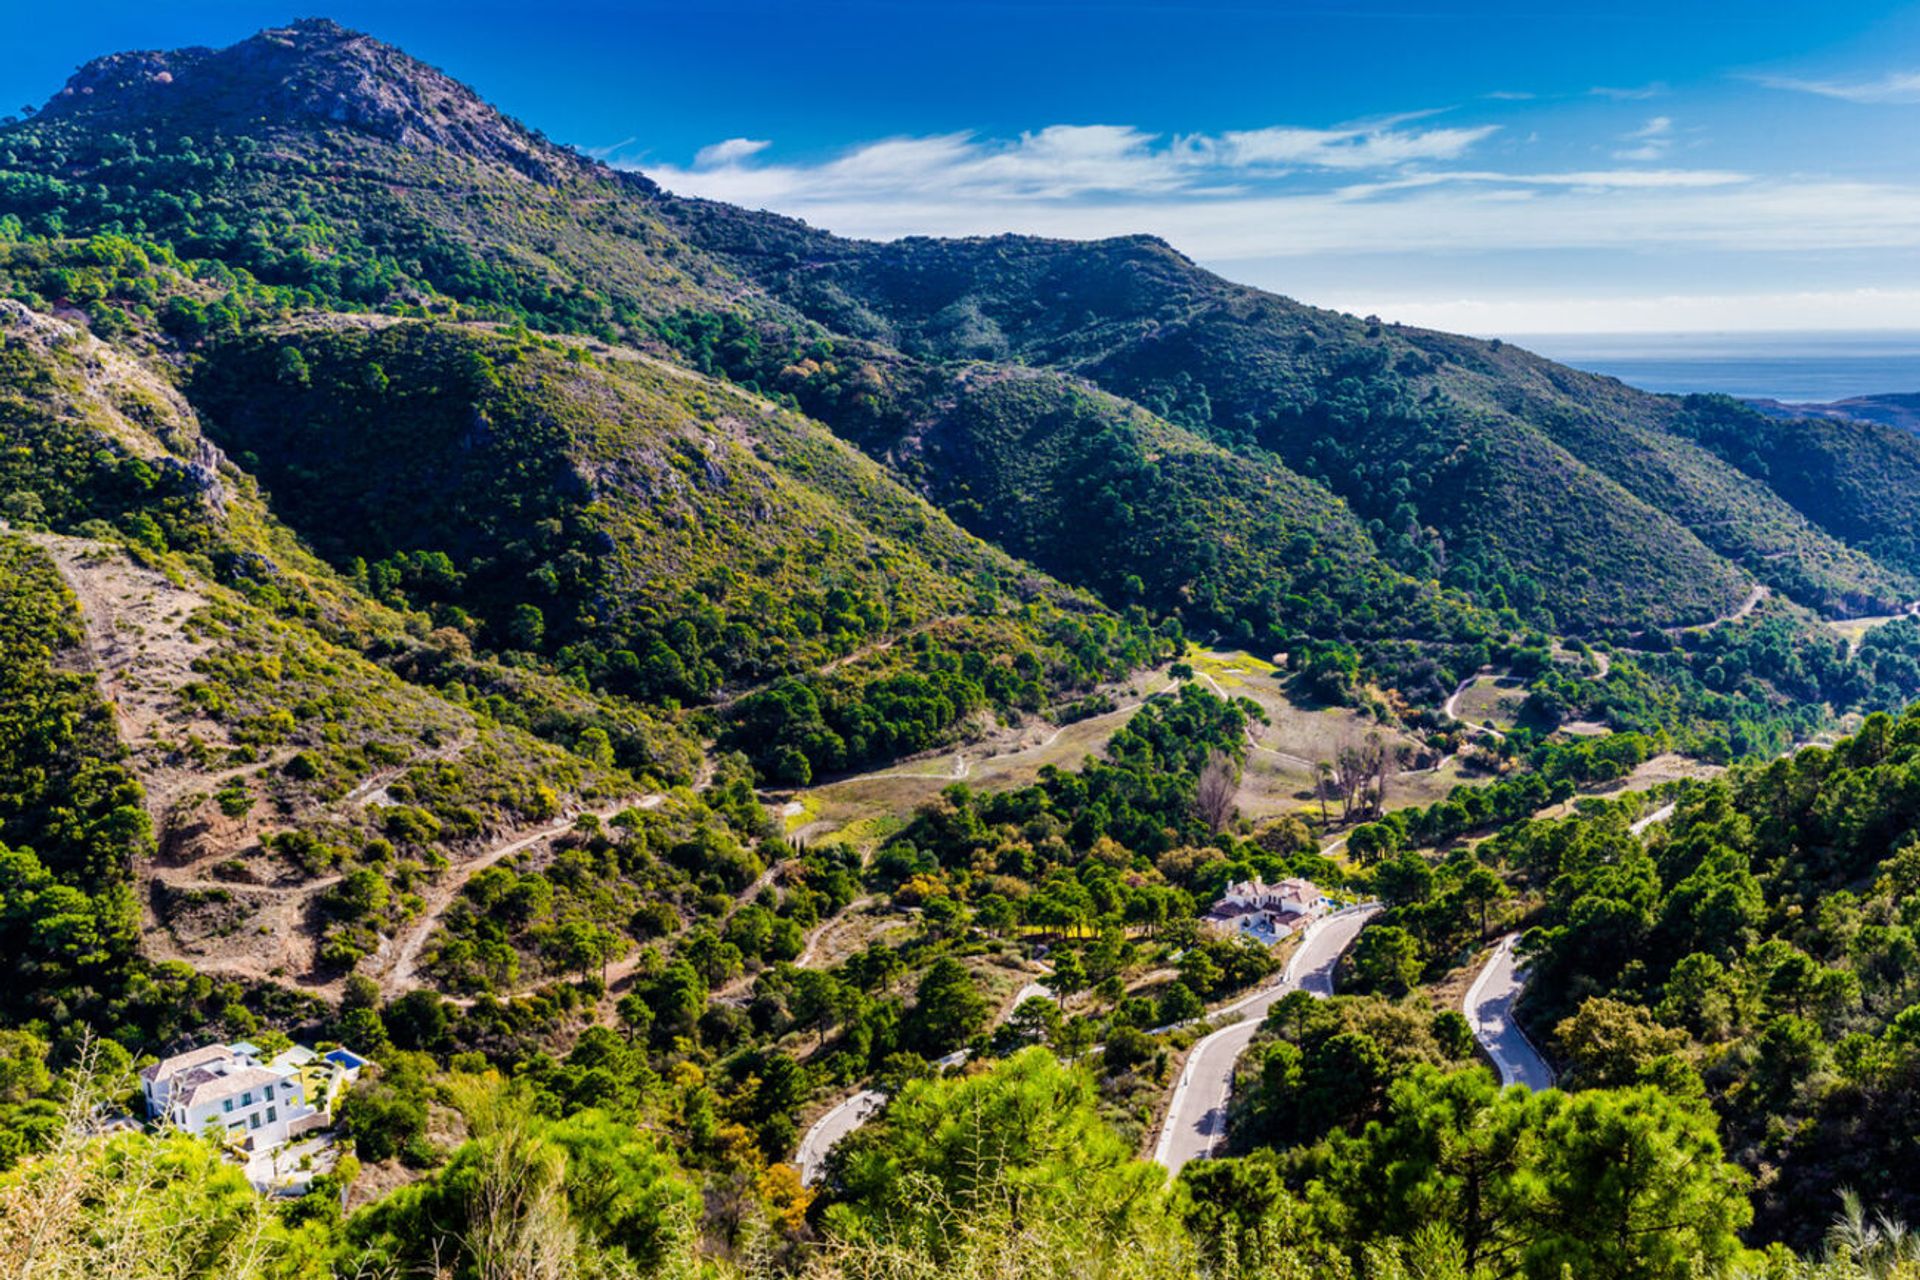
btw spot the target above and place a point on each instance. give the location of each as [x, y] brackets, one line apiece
[832, 1127]
[1197, 1116]
[1489, 1011]
[857, 1110]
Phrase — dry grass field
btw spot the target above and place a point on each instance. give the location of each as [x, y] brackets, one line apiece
[1493, 698]
[865, 808]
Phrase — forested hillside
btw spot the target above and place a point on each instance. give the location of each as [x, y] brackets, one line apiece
[1440, 443]
[743, 729]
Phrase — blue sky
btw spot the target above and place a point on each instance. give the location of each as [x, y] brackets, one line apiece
[1490, 167]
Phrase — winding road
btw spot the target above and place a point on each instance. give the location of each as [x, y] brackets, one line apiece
[830, 1128]
[1489, 1011]
[824, 1133]
[1451, 707]
[1489, 1002]
[1197, 1116]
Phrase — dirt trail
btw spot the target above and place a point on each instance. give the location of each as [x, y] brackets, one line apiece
[612, 975]
[1451, 707]
[373, 788]
[1754, 597]
[809, 952]
[403, 974]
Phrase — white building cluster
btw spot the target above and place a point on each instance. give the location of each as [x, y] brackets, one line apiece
[1266, 912]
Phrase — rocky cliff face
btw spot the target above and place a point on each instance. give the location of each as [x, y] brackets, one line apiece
[311, 72]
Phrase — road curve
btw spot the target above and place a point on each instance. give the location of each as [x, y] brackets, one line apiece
[1197, 1116]
[836, 1124]
[1451, 707]
[1489, 1011]
[832, 1127]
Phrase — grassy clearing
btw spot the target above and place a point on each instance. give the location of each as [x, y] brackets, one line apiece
[1279, 772]
[1493, 698]
[1855, 629]
[1278, 778]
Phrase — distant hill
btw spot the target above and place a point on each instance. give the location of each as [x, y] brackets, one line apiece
[1442, 444]
[1894, 410]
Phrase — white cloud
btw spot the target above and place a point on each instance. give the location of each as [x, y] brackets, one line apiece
[1393, 190]
[730, 152]
[1899, 87]
[1639, 94]
[1456, 213]
[1064, 162]
[1357, 148]
[1651, 140]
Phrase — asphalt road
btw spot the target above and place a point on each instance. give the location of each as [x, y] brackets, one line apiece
[1197, 1116]
[1489, 1011]
[832, 1127]
[857, 1110]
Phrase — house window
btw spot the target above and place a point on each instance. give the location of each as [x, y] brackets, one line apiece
[246, 1099]
[253, 1121]
[271, 1115]
[226, 1104]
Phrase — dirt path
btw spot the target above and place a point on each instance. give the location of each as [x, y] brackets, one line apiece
[373, 788]
[403, 974]
[810, 952]
[612, 975]
[1452, 705]
[1747, 606]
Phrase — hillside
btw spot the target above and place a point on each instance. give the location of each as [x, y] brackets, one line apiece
[354, 207]
[850, 501]
[1441, 443]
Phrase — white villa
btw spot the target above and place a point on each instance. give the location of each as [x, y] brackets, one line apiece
[1266, 912]
[255, 1105]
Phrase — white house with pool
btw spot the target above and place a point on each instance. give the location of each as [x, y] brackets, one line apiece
[252, 1105]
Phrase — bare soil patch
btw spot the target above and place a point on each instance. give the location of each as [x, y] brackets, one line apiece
[142, 656]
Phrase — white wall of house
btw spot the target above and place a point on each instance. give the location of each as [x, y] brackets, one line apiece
[261, 1113]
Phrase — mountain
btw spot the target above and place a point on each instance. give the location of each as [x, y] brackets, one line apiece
[463, 424]
[644, 673]
[333, 170]
[1442, 443]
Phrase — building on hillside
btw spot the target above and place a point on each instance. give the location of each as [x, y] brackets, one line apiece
[1266, 912]
[253, 1105]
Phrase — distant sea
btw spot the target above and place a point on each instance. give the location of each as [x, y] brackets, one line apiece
[1795, 367]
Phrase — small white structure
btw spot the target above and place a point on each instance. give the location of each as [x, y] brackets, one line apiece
[226, 1087]
[1266, 912]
